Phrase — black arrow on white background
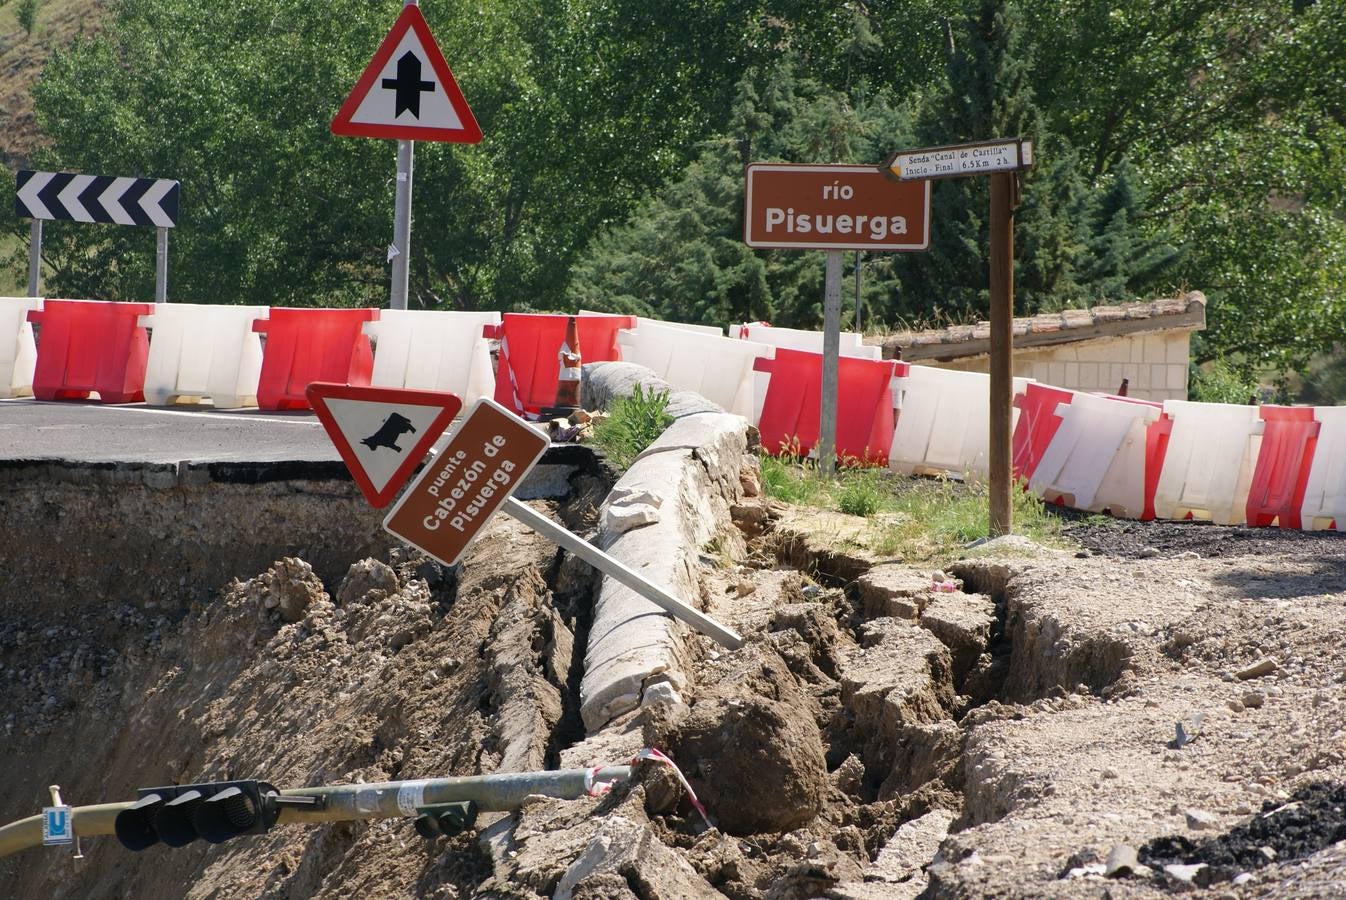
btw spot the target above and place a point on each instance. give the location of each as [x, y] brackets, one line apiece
[97, 198]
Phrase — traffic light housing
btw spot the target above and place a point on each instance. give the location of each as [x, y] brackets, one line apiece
[215, 811]
[447, 819]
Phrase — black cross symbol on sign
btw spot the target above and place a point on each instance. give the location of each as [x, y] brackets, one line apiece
[408, 85]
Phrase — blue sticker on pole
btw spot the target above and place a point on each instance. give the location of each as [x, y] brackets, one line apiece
[58, 826]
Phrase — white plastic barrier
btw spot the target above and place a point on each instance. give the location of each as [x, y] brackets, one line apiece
[795, 339]
[1208, 468]
[641, 320]
[852, 342]
[716, 367]
[715, 330]
[199, 351]
[945, 423]
[1096, 459]
[18, 353]
[430, 350]
[1325, 491]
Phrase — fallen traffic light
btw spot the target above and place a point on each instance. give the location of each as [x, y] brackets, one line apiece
[216, 811]
[447, 819]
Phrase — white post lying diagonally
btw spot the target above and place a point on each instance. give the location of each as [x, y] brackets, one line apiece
[619, 571]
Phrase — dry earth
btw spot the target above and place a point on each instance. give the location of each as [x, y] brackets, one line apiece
[877, 736]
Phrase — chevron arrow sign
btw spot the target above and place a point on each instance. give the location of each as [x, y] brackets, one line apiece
[97, 198]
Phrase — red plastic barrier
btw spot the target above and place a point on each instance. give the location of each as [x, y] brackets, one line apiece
[91, 345]
[790, 412]
[1036, 427]
[1282, 473]
[307, 345]
[525, 378]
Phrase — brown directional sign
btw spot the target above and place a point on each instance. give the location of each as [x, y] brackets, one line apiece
[806, 207]
[459, 490]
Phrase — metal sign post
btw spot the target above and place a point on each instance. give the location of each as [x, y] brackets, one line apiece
[1003, 160]
[161, 265]
[406, 161]
[827, 430]
[473, 476]
[407, 93]
[35, 259]
[833, 208]
[406, 157]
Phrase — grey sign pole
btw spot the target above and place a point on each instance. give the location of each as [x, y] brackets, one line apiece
[857, 289]
[161, 265]
[406, 152]
[827, 426]
[406, 158]
[35, 259]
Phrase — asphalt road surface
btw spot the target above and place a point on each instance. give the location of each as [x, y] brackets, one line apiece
[135, 433]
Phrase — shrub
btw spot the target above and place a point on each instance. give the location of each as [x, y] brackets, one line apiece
[26, 14]
[860, 494]
[1220, 382]
[632, 424]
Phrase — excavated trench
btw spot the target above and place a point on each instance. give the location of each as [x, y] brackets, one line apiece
[157, 633]
[268, 630]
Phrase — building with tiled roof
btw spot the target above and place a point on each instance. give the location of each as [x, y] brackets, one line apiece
[1147, 344]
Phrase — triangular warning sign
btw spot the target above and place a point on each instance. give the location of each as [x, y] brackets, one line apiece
[407, 92]
[381, 433]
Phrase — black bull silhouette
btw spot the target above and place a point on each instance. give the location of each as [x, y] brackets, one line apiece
[389, 432]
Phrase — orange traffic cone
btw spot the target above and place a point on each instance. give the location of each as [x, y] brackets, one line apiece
[568, 379]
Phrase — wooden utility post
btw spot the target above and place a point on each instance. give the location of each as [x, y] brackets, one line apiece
[1001, 161]
[1004, 199]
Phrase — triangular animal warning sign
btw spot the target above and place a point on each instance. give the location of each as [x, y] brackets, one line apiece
[381, 433]
[407, 92]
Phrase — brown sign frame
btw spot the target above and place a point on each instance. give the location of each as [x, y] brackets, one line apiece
[453, 483]
[908, 245]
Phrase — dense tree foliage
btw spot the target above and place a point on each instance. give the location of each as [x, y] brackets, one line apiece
[1195, 143]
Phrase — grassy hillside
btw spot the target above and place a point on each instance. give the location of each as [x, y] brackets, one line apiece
[21, 59]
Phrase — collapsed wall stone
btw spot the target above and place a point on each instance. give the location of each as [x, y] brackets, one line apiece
[675, 498]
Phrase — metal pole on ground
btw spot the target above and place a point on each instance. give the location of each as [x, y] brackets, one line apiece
[620, 572]
[161, 265]
[827, 426]
[1004, 191]
[348, 802]
[35, 258]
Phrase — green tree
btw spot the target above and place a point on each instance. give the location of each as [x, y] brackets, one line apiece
[1077, 238]
[25, 13]
[681, 256]
[1228, 117]
[588, 107]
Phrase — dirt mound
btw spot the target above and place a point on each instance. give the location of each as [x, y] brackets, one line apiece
[754, 746]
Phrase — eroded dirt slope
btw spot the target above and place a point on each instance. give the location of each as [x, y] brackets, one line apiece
[397, 672]
[1000, 728]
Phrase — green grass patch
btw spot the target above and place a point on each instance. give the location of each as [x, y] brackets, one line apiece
[632, 424]
[915, 519]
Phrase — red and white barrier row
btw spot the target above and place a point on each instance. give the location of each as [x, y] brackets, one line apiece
[1138, 459]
